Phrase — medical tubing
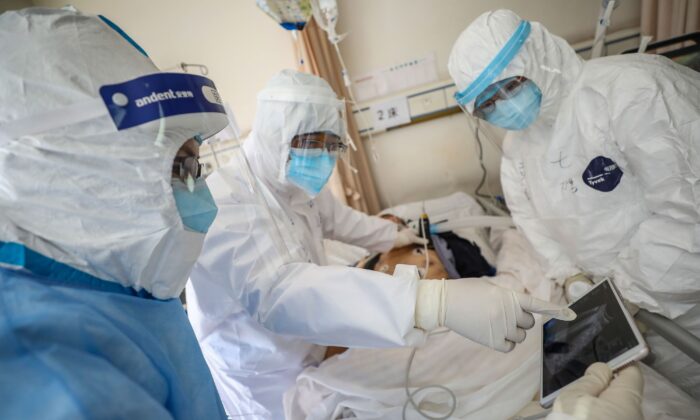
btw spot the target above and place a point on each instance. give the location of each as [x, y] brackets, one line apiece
[425, 249]
[672, 332]
[441, 322]
[473, 222]
[353, 103]
[410, 394]
[481, 163]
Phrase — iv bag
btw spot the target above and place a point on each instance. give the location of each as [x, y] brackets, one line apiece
[290, 14]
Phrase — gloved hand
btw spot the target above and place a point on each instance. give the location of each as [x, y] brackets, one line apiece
[406, 236]
[597, 395]
[480, 311]
[576, 286]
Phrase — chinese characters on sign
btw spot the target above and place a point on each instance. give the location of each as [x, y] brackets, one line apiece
[390, 113]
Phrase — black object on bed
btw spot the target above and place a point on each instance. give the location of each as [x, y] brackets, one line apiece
[461, 257]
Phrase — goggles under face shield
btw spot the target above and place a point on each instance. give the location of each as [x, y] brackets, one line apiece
[485, 103]
[488, 76]
[315, 143]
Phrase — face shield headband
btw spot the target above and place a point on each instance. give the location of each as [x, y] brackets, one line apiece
[133, 103]
[310, 95]
[496, 66]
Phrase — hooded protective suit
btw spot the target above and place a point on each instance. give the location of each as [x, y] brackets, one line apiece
[605, 181]
[260, 287]
[93, 251]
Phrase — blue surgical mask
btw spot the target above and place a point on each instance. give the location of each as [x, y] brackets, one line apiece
[310, 170]
[197, 208]
[518, 111]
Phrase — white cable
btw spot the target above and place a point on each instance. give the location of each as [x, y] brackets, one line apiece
[410, 394]
[441, 312]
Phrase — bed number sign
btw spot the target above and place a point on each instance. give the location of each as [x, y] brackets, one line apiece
[390, 113]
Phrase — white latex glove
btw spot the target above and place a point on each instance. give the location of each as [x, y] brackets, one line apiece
[480, 311]
[406, 236]
[577, 286]
[597, 395]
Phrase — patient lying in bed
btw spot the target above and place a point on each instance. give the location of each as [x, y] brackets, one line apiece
[448, 256]
[369, 383]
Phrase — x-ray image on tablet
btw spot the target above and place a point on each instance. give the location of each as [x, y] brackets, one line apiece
[603, 331]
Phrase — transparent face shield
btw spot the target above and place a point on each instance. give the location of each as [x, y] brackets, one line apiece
[257, 212]
[317, 143]
[315, 128]
[160, 114]
[312, 159]
[506, 103]
[163, 106]
[510, 103]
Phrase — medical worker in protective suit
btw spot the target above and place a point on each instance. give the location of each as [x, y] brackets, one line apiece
[600, 165]
[261, 300]
[102, 215]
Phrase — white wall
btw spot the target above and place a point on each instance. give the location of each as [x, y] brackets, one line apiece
[438, 157]
[14, 4]
[240, 44]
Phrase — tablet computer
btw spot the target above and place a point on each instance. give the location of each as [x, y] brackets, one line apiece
[603, 331]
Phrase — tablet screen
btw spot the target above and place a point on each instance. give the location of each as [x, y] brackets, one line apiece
[599, 333]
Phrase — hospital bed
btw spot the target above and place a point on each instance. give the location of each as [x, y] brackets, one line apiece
[369, 383]
[687, 51]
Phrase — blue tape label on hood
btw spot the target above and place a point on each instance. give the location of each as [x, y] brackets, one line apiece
[602, 174]
[160, 95]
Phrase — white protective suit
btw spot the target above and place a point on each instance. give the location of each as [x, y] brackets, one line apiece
[125, 227]
[605, 181]
[93, 249]
[262, 273]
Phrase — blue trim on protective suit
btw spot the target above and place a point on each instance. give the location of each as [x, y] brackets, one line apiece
[123, 34]
[18, 255]
[496, 66]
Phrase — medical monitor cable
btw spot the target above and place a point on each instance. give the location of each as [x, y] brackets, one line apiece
[481, 163]
[490, 202]
[410, 394]
[407, 386]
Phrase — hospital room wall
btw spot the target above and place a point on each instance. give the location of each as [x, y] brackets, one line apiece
[438, 157]
[14, 4]
[242, 47]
